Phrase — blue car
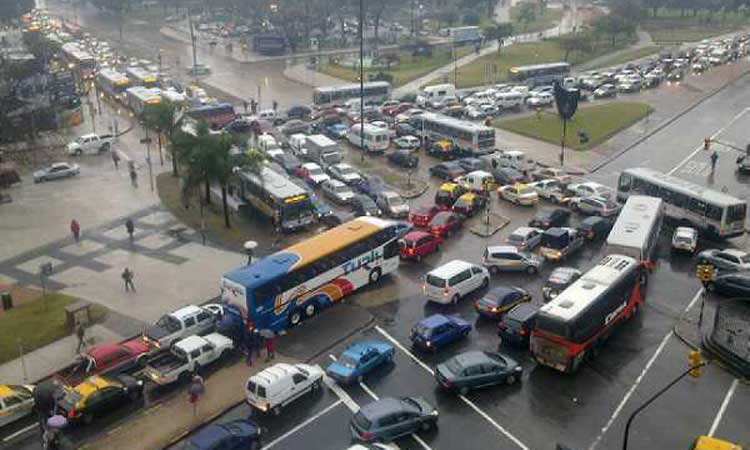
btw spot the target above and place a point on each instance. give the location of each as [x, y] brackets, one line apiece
[358, 359]
[437, 331]
[235, 435]
[336, 131]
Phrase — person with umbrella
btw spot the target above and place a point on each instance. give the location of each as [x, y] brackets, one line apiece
[270, 339]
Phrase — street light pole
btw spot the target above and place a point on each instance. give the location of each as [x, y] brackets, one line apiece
[362, 79]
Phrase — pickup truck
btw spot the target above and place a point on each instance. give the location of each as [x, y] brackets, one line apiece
[180, 324]
[186, 357]
[558, 243]
[90, 144]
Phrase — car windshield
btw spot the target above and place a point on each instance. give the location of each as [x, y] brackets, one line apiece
[525, 191]
[340, 189]
[516, 238]
[423, 330]
[683, 239]
[169, 323]
[453, 365]
[347, 362]
[436, 281]
[395, 201]
[316, 171]
[70, 399]
[347, 170]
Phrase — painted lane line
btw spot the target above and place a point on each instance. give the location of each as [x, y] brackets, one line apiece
[723, 408]
[369, 391]
[307, 422]
[20, 432]
[693, 301]
[630, 392]
[713, 136]
[471, 404]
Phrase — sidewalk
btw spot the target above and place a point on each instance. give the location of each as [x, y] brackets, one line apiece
[171, 420]
[301, 74]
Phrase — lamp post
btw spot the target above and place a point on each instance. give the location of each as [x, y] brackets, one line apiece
[362, 79]
[250, 247]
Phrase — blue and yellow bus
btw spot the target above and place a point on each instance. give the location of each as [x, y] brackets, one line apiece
[282, 289]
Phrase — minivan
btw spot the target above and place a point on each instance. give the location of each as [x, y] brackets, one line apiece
[278, 385]
[509, 100]
[454, 280]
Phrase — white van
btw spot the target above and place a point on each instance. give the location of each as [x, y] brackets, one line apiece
[515, 159]
[454, 280]
[436, 95]
[376, 139]
[267, 114]
[297, 144]
[278, 385]
[267, 142]
[477, 181]
[509, 100]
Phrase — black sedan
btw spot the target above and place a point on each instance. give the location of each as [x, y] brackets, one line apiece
[506, 175]
[389, 418]
[363, 205]
[447, 170]
[559, 280]
[476, 369]
[550, 217]
[403, 158]
[499, 300]
[731, 285]
[595, 227]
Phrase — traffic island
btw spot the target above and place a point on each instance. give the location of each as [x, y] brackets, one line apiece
[410, 189]
[487, 225]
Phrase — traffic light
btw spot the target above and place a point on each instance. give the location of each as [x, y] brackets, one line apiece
[705, 272]
[694, 358]
[707, 143]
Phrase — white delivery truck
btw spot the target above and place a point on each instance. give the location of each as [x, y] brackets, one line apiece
[322, 150]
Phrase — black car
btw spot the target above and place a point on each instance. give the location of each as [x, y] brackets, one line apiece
[550, 217]
[499, 300]
[506, 175]
[476, 369]
[299, 112]
[515, 327]
[363, 205]
[558, 281]
[595, 227]
[404, 129]
[447, 170]
[404, 158]
[471, 164]
[239, 126]
[731, 285]
[389, 418]
[371, 185]
[288, 162]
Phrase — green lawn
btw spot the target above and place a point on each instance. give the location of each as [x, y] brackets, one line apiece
[541, 22]
[37, 323]
[600, 122]
[409, 68]
[476, 72]
[671, 26]
[629, 55]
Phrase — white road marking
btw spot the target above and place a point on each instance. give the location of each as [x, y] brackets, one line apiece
[471, 404]
[723, 408]
[638, 380]
[20, 432]
[713, 136]
[369, 391]
[303, 424]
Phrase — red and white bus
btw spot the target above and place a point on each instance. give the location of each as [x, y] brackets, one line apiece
[578, 321]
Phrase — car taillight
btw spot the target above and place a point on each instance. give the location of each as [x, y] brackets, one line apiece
[446, 291]
[410, 251]
[366, 435]
[72, 413]
[522, 332]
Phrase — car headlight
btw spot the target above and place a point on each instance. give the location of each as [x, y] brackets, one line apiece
[518, 369]
[434, 412]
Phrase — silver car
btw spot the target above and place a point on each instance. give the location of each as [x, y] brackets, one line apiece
[596, 206]
[56, 171]
[525, 238]
[725, 260]
[337, 191]
[507, 258]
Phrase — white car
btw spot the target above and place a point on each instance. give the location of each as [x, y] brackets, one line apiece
[546, 173]
[550, 189]
[540, 99]
[337, 191]
[525, 238]
[90, 144]
[313, 173]
[589, 189]
[685, 239]
[407, 142]
[346, 173]
[454, 280]
[520, 194]
[279, 385]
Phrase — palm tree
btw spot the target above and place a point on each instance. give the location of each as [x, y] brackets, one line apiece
[195, 152]
[164, 119]
[228, 161]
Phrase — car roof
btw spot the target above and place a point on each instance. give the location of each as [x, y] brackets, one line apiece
[414, 235]
[471, 358]
[734, 252]
[451, 268]
[523, 312]
[276, 372]
[311, 165]
[60, 164]
[434, 320]
[336, 183]
[503, 249]
[186, 311]
[500, 291]
[524, 231]
[382, 407]
[93, 384]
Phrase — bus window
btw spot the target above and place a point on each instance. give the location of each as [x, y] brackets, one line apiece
[624, 184]
[697, 206]
[714, 212]
[735, 213]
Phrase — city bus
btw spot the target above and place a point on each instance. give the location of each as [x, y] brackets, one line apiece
[288, 286]
[112, 83]
[374, 91]
[140, 99]
[217, 115]
[376, 139]
[142, 77]
[538, 74]
[711, 212]
[286, 204]
[79, 60]
[576, 323]
[476, 138]
[635, 233]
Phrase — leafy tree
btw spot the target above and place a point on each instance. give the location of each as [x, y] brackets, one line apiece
[526, 14]
[195, 152]
[163, 119]
[574, 42]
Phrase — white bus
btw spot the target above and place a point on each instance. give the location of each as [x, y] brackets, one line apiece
[636, 230]
[717, 214]
[374, 91]
[376, 139]
[79, 60]
[140, 99]
[479, 139]
[142, 77]
[287, 205]
[113, 83]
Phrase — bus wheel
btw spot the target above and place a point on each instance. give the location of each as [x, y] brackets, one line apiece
[375, 275]
[310, 310]
[295, 318]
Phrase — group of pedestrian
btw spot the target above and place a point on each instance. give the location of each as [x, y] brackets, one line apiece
[127, 275]
[255, 340]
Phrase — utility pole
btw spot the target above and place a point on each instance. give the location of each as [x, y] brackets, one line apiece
[192, 41]
[362, 78]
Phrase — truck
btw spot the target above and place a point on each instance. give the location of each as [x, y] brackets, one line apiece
[187, 357]
[322, 150]
[182, 323]
[298, 144]
[558, 243]
[90, 144]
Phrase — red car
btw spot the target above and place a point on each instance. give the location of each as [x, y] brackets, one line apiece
[445, 223]
[397, 109]
[106, 359]
[417, 244]
[422, 216]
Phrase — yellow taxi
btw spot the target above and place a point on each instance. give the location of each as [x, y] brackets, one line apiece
[98, 395]
[16, 402]
[709, 443]
[447, 195]
[469, 204]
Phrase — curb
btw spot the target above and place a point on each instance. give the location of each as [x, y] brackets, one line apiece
[483, 230]
[409, 195]
[666, 123]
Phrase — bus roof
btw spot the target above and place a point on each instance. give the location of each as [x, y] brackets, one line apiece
[344, 87]
[305, 252]
[575, 299]
[453, 122]
[144, 93]
[683, 186]
[633, 226]
[112, 75]
[210, 108]
[517, 69]
[277, 185]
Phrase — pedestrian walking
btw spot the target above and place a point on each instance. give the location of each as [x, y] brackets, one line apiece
[270, 346]
[245, 105]
[81, 335]
[75, 228]
[133, 177]
[127, 276]
[275, 105]
[249, 342]
[714, 158]
[130, 228]
[116, 159]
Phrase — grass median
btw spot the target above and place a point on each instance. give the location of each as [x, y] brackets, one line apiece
[628, 55]
[673, 26]
[38, 322]
[600, 122]
[542, 21]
